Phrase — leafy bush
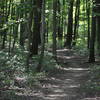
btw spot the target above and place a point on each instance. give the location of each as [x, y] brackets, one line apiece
[93, 84]
[48, 63]
[83, 51]
[10, 66]
[13, 68]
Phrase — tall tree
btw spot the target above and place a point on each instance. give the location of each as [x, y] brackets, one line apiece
[98, 24]
[54, 28]
[93, 36]
[88, 20]
[36, 26]
[59, 21]
[22, 25]
[39, 67]
[68, 42]
[76, 24]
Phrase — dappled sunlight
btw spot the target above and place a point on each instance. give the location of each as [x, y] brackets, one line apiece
[69, 57]
[49, 49]
[57, 95]
[64, 86]
[49, 98]
[73, 86]
[75, 69]
[66, 57]
[62, 50]
[69, 80]
[96, 98]
[58, 91]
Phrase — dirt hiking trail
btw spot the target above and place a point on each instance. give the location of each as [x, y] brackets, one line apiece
[64, 82]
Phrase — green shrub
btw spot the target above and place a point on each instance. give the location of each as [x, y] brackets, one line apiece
[93, 84]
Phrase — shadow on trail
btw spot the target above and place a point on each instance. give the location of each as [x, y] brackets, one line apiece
[62, 84]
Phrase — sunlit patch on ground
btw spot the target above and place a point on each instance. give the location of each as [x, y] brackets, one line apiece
[75, 69]
[62, 50]
[96, 98]
[62, 85]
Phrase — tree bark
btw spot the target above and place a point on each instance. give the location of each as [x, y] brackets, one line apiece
[68, 42]
[54, 28]
[39, 67]
[93, 37]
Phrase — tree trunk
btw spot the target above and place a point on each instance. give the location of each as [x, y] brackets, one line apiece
[98, 25]
[88, 20]
[36, 27]
[68, 42]
[77, 11]
[54, 28]
[92, 39]
[39, 67]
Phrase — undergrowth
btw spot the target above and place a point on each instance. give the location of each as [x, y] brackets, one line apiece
[13, 74]
[81, 50]
[14, 66]
[92, 86]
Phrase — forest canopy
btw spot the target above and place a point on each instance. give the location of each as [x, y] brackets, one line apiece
[33, 31]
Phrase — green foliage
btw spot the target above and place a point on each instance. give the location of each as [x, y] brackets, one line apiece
[14, 15]
[48, 66]
[10, 66]
[60, 44]
[14, 66]
[34, 78]
[93, 84]
[81, 50]
[49, 63]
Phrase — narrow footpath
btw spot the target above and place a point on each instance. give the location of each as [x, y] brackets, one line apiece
[64, 83]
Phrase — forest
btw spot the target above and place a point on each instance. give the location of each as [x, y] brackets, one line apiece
[49, 50]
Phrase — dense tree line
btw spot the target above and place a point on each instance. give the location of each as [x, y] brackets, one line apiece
[33, 24]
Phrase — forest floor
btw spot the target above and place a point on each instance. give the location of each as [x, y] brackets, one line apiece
[63, 83]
